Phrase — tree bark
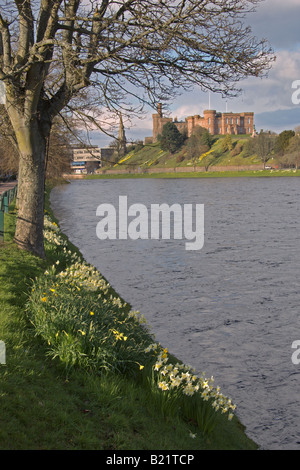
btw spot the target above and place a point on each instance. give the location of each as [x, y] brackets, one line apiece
[31, 180]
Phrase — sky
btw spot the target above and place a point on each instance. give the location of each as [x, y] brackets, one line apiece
[269, 98]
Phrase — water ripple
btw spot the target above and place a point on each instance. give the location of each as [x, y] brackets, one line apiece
[231, 309]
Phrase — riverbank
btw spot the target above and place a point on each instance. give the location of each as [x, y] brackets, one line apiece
[65, 403]
[111, 174]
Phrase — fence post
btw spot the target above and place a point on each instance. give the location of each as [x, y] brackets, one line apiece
[6, 201]
[1, 223]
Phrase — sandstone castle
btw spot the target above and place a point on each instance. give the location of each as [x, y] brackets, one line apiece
[215, 123]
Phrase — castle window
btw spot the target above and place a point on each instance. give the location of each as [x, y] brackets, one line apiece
[208, 120]
[231, 120]
[248, 120]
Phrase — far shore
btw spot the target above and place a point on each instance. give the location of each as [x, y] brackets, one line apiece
[168, 173]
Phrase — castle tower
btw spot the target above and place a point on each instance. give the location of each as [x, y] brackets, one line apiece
[158, 122]
[210, 121]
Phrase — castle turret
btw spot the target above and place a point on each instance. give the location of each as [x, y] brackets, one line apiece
[210, 121]
[158, 122]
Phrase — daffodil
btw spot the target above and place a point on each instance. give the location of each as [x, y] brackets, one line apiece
[163, 386]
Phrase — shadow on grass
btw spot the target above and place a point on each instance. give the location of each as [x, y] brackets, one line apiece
[17, 270]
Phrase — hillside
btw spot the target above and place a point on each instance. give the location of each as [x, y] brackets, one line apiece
[151, 156]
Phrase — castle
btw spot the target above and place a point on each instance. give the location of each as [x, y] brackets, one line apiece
[215, 123]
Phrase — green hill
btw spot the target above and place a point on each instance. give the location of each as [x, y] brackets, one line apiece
[151, 156]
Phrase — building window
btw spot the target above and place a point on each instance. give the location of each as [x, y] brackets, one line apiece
[231, 120]
[226, 120]
[208, 120]
[248, 120]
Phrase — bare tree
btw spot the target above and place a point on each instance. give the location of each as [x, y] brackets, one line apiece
[264, 145]
[146, 50]
[291, 156]
[59, 147]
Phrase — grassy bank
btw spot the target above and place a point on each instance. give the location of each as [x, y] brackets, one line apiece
[209, 174]
[83, 372]
[152, 156]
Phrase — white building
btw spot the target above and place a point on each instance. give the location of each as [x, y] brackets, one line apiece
[87, 160]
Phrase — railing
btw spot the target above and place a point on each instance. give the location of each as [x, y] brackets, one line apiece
[5, 199]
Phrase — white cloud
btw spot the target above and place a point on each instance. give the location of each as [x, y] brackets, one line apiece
[274, 92]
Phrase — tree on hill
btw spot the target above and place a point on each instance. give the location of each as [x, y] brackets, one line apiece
[291, 156]
[227, 143]
[171, 138]
[264, 145]
[121, 54]
[282, 141]
[198, 143]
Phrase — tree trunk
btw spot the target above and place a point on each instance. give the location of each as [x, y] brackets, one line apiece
[31, 177]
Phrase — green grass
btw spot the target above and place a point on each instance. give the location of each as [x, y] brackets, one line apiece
[44, 405]
[210, 174]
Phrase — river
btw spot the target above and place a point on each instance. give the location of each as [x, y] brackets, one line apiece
[231, 309]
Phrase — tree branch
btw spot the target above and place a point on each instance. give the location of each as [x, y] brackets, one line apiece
[26, 30]
[6, 45]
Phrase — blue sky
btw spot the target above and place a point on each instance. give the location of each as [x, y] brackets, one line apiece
[269, 98]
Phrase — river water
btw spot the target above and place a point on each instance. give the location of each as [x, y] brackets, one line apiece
[231, 309]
